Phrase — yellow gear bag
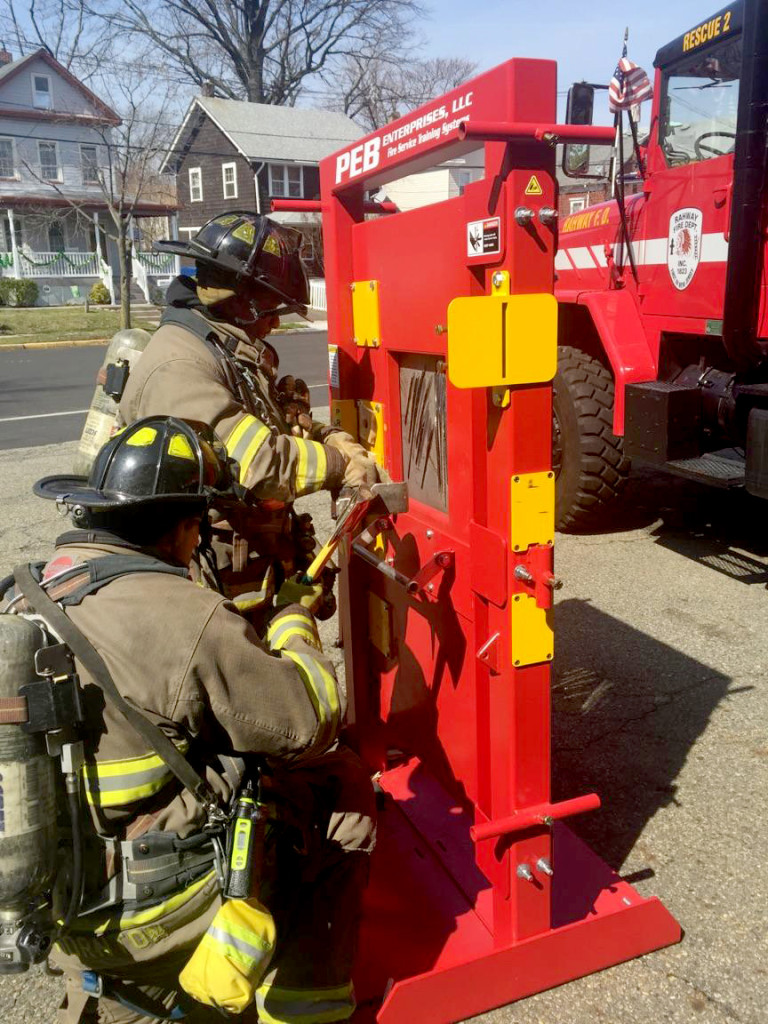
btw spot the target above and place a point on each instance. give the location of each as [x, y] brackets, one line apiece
[232, 957]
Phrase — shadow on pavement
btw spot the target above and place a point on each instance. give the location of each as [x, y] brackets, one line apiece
[627, 710]
[723, 529]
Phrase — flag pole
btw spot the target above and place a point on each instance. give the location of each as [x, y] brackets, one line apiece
[619, 181]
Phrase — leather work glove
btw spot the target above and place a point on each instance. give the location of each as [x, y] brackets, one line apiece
[293, 395]
[361, 468]
[293, 591]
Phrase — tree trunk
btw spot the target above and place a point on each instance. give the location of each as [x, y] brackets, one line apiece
[124, 257]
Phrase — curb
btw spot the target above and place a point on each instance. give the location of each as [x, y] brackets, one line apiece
[105, 341]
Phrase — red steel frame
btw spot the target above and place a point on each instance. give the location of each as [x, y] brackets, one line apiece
[450, 929]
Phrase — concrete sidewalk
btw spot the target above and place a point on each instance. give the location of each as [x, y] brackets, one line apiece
[660, 705]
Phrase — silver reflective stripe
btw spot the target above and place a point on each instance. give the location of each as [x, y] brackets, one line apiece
[249, 952]
[291, 623]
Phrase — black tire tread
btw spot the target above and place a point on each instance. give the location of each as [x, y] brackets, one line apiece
[603, 467]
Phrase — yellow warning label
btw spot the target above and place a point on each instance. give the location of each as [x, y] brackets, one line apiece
[533, 188]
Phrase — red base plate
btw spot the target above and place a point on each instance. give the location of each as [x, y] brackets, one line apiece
[426, 945]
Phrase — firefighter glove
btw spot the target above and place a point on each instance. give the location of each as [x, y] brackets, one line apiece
[308, 595]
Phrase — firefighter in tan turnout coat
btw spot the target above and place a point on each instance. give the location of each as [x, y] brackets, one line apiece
[195, 668]
[209, 362]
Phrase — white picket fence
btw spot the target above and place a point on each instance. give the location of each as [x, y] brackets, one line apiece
[317, 295]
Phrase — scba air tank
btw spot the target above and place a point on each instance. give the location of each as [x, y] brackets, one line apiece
[28, 828]
[123, 351]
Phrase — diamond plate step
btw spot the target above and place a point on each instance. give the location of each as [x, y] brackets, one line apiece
[711, 469]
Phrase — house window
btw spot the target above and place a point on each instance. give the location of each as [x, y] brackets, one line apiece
[7, 170]
[89, 161]
[189, 232]
[49, 161]
[286, 180]
[578, 204]
[229, 180]
[195, 185]
[463, 178]
[56, 237]
[41, 92]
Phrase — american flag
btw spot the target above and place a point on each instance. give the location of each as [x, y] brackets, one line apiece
[629, 86]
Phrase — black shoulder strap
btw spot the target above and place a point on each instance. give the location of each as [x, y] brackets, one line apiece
[88, 656]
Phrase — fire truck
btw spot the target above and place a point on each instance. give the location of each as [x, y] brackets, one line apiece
[663, 329]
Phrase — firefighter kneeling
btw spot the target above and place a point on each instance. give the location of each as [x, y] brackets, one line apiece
[229, 863]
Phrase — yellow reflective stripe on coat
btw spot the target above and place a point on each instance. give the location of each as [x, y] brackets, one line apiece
[232, 956]
[244, 442]
[296, 624]
[117, 783]
[304, 1005]
[321, 689]
[312, 466]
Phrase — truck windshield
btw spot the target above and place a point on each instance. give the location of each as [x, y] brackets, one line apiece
[700, 103]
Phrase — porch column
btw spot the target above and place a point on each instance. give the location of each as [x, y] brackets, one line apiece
[14, 247]
[175, 235]
[96, 234]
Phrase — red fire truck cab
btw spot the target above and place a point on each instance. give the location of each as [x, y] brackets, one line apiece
[663, 328]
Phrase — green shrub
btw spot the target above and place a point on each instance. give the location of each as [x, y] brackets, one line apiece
[99, 295]
[18, 292]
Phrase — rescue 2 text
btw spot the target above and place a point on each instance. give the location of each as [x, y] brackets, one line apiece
[707, 32]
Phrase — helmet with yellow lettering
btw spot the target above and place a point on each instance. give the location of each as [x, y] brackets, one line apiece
[159, 459]
[249, 254]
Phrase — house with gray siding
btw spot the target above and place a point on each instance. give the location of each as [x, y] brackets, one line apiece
[229, 154]
[55, 136]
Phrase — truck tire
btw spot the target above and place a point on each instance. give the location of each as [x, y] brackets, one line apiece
[589, 462]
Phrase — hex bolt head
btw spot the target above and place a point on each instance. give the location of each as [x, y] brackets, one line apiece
[554, 583]
[498, 279]
[543, 865]
[430, 534]
[524, 872]
[524, 215]
[521, 573]
[430, 587]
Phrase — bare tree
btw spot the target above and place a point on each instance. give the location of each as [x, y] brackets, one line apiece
[65, 28]
[259, 50]
[127, 172]
[376, 88]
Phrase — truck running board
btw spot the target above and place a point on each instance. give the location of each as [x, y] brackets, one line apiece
[713, 469]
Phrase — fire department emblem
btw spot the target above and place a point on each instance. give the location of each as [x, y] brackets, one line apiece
[684, 246]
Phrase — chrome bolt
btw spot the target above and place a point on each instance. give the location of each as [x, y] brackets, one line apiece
[430, 534]
[543, 865]
[554, 583]
[440, 329]
[498, 279]
[548, 215]
[524, 872]
[521, 573]
[430, 587]
[524, 215]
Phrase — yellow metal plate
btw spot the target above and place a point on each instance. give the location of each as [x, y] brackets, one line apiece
[533, 510]
[380, 624]
[533, 638]
[365, 313]
[370, 428]
[344, 415]
[502, 339]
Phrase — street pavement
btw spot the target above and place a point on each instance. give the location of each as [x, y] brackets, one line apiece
[45, 393]
[659, 704]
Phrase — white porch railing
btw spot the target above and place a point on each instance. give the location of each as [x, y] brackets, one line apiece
[317, 296]
[157, 263]
[56, 264]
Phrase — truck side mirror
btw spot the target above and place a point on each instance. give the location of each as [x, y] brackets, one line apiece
[579, 110]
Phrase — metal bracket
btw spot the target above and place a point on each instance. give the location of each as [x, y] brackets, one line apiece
[439, 562]
[489, 654]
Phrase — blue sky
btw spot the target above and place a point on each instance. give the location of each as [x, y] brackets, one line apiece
[583, 36]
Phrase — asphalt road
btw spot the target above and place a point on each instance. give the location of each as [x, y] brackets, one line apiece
[45, 393]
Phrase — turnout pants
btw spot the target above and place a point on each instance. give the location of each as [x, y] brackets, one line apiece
[314, 881]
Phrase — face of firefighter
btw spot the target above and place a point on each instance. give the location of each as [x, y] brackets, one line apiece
[179, 545]
[243, 311]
